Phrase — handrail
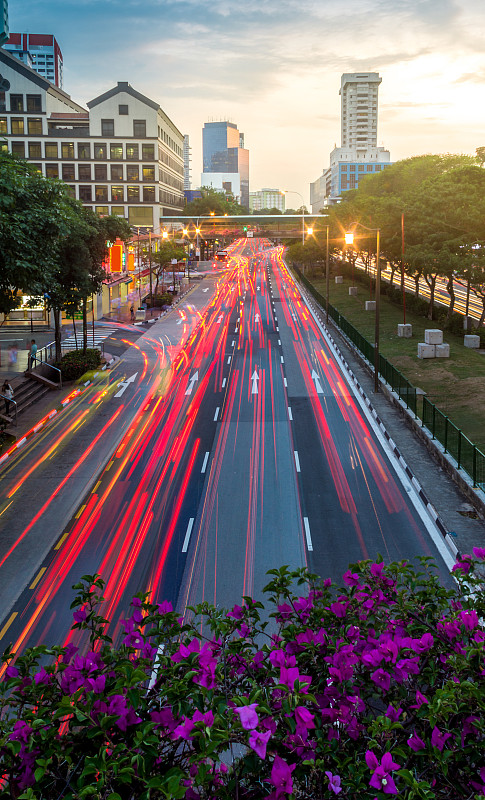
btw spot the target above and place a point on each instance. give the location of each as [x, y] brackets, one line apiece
[46, 364]
[10, 400]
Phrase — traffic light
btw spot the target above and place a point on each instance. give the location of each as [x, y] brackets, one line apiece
[245, 228]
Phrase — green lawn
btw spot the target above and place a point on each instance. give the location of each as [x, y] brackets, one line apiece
[455, 384]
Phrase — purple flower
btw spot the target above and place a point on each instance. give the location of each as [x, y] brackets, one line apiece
[207, 718]
[420, 699]
[97, 685]
[351, 579]
[469, 619]
[463, 566]
[11, 671]
[426, 642]
[42, 677]
[381, 777]
[237, 612]
[248, 717]
[339, 609]
[376, 570]
[333, 782]
[80, 616]
[184, 730]
[416, 743]
[118, 706]
[21, 732]
[69, 652]
[304, 721]
[393, 714]
[258, 742]
[479, 552]
[281, 777]
[288, 676]
[438, 739]
[381, 678]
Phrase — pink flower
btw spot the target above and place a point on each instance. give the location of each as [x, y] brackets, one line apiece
[479, 552]
[304, 720]
[258, 742]
[80, 616]
[248, 717]
[333, 782]
[463, 566]
[351, 579]
[469, 619]
[420, 699]
[165, 607]
[381, 678]
[184, 730]
[416, 743]
[281, 777]
[381, 777]
[438, 739]
[237, 612]
[393, 714]
[207, 718]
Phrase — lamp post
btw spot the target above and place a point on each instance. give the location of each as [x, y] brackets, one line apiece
[349, 239]
[292, 191]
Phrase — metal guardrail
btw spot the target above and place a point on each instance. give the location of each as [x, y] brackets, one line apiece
[467, 455]
[11, 401]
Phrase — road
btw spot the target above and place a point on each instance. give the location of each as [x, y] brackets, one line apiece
[227, 442]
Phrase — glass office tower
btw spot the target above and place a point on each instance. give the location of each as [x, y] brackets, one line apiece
[223, 152]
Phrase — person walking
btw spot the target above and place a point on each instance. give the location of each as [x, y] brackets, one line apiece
[12, 355]
[7, 392]
[132, 312]
[32, 354]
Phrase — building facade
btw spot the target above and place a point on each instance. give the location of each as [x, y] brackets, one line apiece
[3, 21]
[122, 155]
[41, 52]
[224, 154]
[359, 154]
[267, 198]
[187, 167]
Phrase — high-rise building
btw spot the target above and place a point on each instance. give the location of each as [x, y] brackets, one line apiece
[40, 52]
[3, 21]
[122, 155]
[358, 93]
[187, 168]
[225, 160]
[267, 198]
[359, 154]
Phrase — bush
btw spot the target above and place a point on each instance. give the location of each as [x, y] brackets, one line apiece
[159, 300]
[370, 689]
[75, 363]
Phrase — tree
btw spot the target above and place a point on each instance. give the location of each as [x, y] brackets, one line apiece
[366, 689]
[163, 257]
[217, 202]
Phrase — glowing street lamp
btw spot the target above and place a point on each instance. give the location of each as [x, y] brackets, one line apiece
[309, 231]
[292, 191]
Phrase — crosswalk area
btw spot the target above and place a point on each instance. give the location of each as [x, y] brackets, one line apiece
[94, 339]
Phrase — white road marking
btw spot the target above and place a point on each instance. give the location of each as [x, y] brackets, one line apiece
[193, 379]
[308, 535]
[254, 379]
[187, 535]
[216, 414]
[282, 360]
[223, 382]
[290, 415]
[316, 381]
[124, 384]
[204, 465]
[277, 329]
[235, 329]
[229, 360]
[285, 381]
[297, 461]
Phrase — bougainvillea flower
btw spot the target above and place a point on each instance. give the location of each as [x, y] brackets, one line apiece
[258, 742]
[281, 777]
[333, 782]
[438, 739]
[248, 717]
[381, 772]
[416, 743]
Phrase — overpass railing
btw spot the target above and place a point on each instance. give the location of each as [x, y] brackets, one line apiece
[467, 455]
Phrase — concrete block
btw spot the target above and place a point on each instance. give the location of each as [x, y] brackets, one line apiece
[339, 279]
[140, 314]
[467, 323]
[426, 350]
[353, 291]
[471, 340]
[370, 305]
[405, 330]
[443, 350]
[433, 336]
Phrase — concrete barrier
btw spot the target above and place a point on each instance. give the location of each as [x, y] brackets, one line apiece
[339, 279]
[405, 330]
[471, 340]
[370, 305]
[426, 350]
[433, 336]
[443, 350]
[353, 291]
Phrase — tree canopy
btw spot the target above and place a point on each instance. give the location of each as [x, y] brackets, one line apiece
[213, 201]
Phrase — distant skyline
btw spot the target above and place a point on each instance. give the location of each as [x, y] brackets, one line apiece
[273, 67]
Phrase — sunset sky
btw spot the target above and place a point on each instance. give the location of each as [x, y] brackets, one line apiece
[273, 67]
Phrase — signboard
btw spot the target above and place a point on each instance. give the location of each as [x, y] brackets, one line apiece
[250, 234]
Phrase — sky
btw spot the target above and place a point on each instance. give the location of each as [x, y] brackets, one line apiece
[273, 67]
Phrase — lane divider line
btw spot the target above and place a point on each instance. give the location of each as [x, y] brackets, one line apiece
[216, 414]
[204, 465]
[223, 382]
[187, 535]
[308, 535]
[37, 579]
[297, 461]
[290, 415]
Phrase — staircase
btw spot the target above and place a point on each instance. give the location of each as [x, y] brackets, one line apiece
[25, 394]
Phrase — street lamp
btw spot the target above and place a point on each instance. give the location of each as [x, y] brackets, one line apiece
[349, 239]
[292, 191]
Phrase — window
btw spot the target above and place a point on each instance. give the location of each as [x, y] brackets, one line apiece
[344, 167]
[116, 152]
[123, 110]
[102, 211]
[34, 103]
[68, 172]
[67, 149]
[116, 172]
[107, 127]
[51, 149]
[85, 194]
[100, 151]
[148, 194]
[117, 195]
[361, 167]
[148, 152]
[35, 150]
[84, 172]
[132, 173]
[3, 125]
[83, 151]
[16, 102]
[3, 106]
[133, 193]
[132, 152]
[18, 149]
[118, 211]
[34, 126]
[101, 194]
[38, 167]
[3, 147]
[100, 172]
[148, 173]
[17, 126]
[352, 167]
[369, 167]
[141, 216]
[378, 167]
[139, 128]
[51, 171]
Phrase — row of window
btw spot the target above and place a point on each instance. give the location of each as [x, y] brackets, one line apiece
[361, 167]
[101, 194]
[84, 171]
[67, 150]
[139, 125]
[30, 103]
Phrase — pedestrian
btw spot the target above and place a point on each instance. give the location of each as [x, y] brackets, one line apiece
[32, 354]
[7, 393]
[12, 355]
[132, 312]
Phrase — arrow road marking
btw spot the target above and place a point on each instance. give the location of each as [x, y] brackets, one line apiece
[206, 289]
[257, 318]
[193, 379]
[220, 319]
[124, 384]
[317, 383]
[254, 379]
[179, 322]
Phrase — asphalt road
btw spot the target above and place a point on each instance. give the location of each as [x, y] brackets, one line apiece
[226, 442]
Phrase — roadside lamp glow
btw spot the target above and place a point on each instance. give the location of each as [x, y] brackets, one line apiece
[309, 231]
[164, 235]
[349, 238]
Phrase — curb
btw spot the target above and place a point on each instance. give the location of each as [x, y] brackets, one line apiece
[422, 495]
